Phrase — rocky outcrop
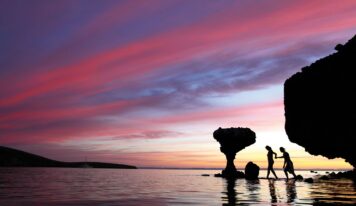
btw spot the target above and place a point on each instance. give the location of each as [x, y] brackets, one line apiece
[309, 180]
[348, 175]
[233, 140]
[320, 105]
[252, 171]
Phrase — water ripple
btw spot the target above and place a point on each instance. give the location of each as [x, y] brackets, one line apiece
[61, 186]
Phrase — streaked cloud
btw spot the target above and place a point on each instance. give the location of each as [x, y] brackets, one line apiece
[82, 72]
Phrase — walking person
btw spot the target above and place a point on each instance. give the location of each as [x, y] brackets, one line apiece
[270, 161]
[288, 164]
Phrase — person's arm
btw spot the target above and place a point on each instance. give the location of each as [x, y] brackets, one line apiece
[283, 156]
[275, 155]
[284, 164]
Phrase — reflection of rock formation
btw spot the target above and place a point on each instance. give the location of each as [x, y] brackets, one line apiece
[320, 105]
[253, 187]
[251, 171]
[231, 192]
[233, 140]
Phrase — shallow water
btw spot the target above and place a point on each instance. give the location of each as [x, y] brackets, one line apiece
[63, 186]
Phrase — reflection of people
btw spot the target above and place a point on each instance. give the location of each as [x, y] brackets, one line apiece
[291, 191]
[270, 161]
[288, 164]
[272, 191]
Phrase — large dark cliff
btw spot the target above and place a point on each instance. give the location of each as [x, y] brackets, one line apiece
[320, 105]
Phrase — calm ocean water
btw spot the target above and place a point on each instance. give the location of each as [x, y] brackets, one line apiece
[62, 186]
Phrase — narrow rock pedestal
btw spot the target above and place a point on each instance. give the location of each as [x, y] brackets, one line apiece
[233, 140]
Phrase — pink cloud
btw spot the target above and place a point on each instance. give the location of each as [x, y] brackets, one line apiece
[262, 109]
[52, 104]
[179, 45]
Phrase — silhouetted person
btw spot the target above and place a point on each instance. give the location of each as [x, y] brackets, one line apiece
[288, 164]
[270, 161]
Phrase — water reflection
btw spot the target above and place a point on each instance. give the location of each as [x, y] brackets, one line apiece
[291, 191]
[272, 191]
[230, 192]
[334, 192]
[253, 187]
[54, 186]
[247, 193]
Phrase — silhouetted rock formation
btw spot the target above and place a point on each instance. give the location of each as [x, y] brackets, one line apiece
[299, 177]
[233, 140]
[331, 176]
[320, 105]
[309, 180]
[324, 177]
[252, 171]
[237, 174]
[348, 174]
[15, 158]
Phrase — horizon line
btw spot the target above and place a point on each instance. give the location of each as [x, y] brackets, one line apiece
[214, 168]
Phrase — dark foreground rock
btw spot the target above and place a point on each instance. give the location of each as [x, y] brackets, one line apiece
[320, 105]
[333, 176]
[348, 174]
[309, 180]
[235, 175]
[324, 177]
[252, 171]
[233, 140]
[15, 158]
[299, 177]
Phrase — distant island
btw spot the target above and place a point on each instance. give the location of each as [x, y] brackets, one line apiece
[15, 158]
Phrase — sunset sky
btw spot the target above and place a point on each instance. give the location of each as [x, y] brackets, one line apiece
[146, 82]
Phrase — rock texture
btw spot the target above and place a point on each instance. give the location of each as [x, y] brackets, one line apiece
[252, 171]
[233, 140]
[320, 105]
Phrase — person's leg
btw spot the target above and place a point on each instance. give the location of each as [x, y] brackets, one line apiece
[291, 170]
[285, 172]
[274, 173]
[268, 171]
[295, 176]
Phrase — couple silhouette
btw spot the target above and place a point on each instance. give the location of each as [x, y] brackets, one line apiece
[287, 165]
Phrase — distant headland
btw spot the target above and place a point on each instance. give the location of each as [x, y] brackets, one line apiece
[15, 158]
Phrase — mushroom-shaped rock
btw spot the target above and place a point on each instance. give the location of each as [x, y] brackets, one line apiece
[233, 140]
[252, 171]
[320, 105]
